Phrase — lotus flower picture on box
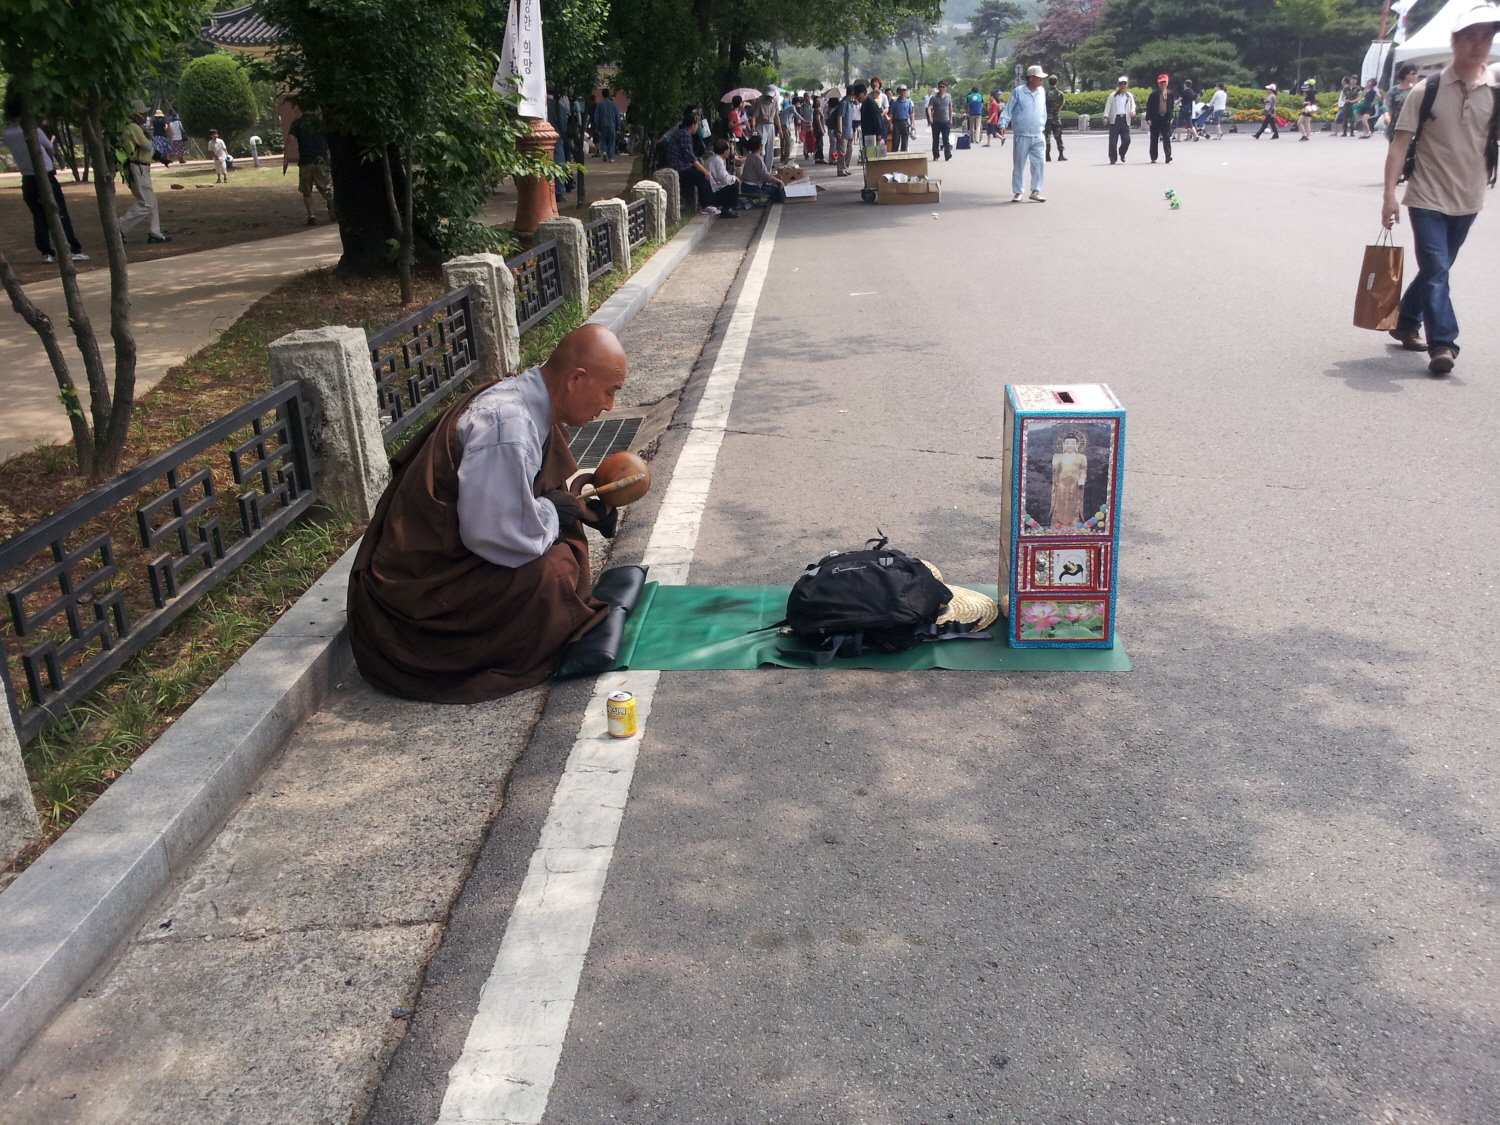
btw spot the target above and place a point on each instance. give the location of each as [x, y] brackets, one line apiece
[1061, 473]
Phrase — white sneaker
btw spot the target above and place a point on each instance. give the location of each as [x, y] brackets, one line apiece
[709, 211]
[48, 258]
[1036, 197]
[80, 257]
[1016, 198]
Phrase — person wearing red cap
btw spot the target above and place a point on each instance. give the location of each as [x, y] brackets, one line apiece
[1159, 113]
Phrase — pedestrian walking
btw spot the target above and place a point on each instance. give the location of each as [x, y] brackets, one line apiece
[1185, 105]
[901, 114]
[1406, 78]
[974, 104]
[882, 102]
[1445, 150]
[1309, 111]
[1218, 106]
[176, 138]
[219, 151]
[138, 175]
[161, 144]
[1345, 114]
[992, 119]
[1159, 108]
[786, 114]
[1054, 117]
[848, 115]
[871, 123]
[1119, 111]
[765, 118]
[1026, 115]
[1369, 106]
[1268, 108]
[34, 183]
[313, 170]
[606, 124]
[940, 117]
[806, 115]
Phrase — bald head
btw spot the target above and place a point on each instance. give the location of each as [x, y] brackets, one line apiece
[584, 373]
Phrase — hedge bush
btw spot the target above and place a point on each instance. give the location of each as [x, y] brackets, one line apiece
[214, 93]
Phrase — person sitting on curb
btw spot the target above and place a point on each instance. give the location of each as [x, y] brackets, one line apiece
[474, 573]
[721, 181]
[756, 178]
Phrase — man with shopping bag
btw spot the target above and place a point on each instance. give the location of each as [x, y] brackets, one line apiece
[1445, 152]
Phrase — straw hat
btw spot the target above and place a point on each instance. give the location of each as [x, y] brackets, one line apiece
[970, 607]
[966, 605]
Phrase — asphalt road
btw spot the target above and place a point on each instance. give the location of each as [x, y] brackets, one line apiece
[1252, 881]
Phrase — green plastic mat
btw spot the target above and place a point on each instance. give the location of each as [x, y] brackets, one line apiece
[699, 628]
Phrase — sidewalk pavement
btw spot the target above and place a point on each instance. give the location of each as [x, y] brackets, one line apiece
[178, 305]
[270, 985]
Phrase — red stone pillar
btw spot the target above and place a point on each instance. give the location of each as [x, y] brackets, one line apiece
[536, 196]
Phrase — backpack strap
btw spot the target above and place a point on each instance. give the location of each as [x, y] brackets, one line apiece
[1429, 96]
[1492, 142]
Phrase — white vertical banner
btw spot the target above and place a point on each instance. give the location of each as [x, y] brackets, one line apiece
[521, 66]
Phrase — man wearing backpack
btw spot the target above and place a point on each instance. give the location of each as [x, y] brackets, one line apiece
[1445, 151]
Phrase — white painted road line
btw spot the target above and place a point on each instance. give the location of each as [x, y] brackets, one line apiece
[504, 1075]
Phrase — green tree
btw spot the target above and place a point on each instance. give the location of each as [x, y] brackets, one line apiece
[1096, 62]
[404, 91]
[86, 59]
[214, 93]
[1305, 19]
[1203, 58]
[992, 23]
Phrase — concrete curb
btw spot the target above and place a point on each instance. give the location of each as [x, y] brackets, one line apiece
[622, 305]
[67, 914]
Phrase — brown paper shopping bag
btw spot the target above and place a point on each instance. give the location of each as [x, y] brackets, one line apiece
[1378, 302]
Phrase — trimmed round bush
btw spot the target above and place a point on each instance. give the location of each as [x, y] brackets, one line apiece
[215, 93]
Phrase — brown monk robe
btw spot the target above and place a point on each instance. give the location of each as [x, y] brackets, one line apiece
[430, 619]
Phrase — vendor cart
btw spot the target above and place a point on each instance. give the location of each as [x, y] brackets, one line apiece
[912, 163]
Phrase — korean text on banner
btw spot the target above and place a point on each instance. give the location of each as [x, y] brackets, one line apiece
[522, 67]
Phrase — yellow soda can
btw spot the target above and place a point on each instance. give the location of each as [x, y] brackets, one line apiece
[620, 711]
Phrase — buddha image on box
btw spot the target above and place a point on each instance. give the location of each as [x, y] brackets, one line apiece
[1068, 476]
[1070, 471]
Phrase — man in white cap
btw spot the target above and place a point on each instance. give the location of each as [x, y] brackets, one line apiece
[1026, 115]
[138, 157]
[1444, 150]
[767, 117]
[1119, 111]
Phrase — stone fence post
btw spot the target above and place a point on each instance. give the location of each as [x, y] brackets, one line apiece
[672, 184]
[494, 311]
[1083, 126]
[19, 825]
[572, 256]
[656, 208]
[334, 366]
[619, 229]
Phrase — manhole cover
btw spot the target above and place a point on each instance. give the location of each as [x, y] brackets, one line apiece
[596, 441]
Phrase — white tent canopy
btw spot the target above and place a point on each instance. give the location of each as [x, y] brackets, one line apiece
[1430, 47]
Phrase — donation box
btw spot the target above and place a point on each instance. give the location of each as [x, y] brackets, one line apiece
[1060, 524]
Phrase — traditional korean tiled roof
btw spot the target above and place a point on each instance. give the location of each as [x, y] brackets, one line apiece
[240, 27]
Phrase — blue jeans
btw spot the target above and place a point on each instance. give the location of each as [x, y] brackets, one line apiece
[1426, 300]
[607, 142]
[1026, 149]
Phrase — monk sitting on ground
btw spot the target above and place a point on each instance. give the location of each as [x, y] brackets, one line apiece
[474, 573]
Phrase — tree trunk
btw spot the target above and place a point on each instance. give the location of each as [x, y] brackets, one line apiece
[408, 230]
[736, 63]
[911, 69]
[846, 68]
[41, 324]
[365, 220]
[109, 438]
[403, 233]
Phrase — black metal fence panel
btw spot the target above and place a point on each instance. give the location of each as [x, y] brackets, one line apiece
[539, 290]
[639, 222]
[599, 237]
[70, 597]
[423, 358]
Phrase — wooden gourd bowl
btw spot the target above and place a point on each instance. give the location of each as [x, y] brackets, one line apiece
[621, 478]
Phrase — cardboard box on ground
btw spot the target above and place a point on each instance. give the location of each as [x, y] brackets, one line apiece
[920, 191]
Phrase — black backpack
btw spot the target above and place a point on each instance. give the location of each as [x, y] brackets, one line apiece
[878, 598]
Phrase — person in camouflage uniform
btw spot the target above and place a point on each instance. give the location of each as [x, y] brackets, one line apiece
[1054, 117]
